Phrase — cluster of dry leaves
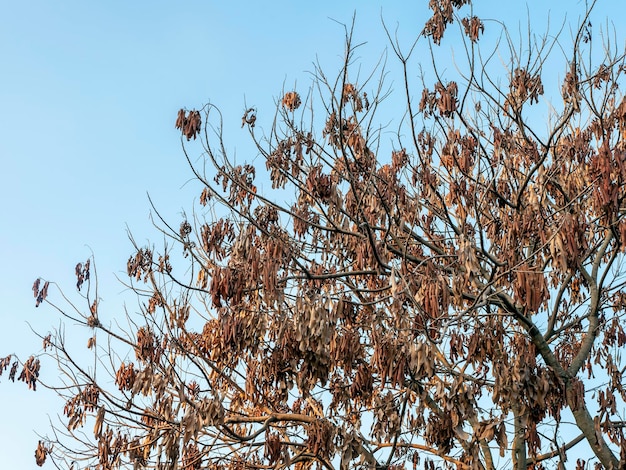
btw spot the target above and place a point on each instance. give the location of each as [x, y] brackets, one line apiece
[190, 123]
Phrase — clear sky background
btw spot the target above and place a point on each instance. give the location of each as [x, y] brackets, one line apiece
[89, 92]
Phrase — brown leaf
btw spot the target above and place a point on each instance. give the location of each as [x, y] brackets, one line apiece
[41, 453]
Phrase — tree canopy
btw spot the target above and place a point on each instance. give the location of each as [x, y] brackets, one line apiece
[451, 297]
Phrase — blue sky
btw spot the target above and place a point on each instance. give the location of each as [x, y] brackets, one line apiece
[88, 98]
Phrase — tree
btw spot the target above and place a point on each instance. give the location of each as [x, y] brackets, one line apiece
[454, 298]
